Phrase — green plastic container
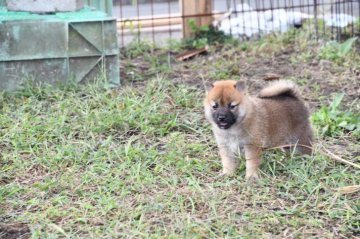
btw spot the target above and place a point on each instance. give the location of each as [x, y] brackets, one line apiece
[50, 48]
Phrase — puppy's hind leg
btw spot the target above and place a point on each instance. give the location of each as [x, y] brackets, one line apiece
[306, 141]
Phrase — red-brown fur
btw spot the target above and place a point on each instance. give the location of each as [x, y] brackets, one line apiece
[278, 116]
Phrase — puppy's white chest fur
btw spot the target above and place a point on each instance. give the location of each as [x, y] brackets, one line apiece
[233, 139]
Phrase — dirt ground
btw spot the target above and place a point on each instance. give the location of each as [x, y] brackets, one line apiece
[14, 231]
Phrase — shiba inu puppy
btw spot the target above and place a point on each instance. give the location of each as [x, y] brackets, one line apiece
[240, 122]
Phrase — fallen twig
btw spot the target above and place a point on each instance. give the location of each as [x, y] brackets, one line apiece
[271, 77]
[337, 158]
[189, 54]
[325, 152]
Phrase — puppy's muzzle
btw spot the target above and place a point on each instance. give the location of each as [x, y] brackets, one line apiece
[224, 120]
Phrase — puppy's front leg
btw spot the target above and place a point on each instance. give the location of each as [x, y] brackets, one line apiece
[253, 160]
[228, 159]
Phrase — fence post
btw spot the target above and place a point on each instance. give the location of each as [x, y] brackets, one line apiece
[316, 20]
[199, 10]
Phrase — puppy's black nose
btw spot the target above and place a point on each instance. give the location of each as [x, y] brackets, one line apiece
[221, 118]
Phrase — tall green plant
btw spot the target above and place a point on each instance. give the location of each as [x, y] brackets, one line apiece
[335, 51]
[204, 35]
[331, 121]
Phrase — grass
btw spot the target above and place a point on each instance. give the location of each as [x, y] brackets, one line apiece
[337, 52]
[140, 161]
[334, 122]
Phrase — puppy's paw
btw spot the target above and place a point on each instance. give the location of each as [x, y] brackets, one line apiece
[225, 174]
[228, 172]
[220, 176]
[252, 176]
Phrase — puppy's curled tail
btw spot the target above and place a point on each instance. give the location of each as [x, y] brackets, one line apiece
[280, 88]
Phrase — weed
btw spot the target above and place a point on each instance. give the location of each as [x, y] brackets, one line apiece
[331, 121]
[205, 35]
[137, 48]
[335, 51]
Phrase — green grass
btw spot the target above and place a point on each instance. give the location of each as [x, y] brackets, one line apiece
[99, 163]
[140, 161]
[337, 52]
[334, 122]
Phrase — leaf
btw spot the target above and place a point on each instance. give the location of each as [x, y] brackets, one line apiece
[325, 129]
[343, 123]
[350, 127]
[349, 189]
[204, 28]
[346, 46]
[336, 102]
[346, 125]
[192, 25]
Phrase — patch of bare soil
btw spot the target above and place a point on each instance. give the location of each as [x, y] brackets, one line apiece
[14, 231]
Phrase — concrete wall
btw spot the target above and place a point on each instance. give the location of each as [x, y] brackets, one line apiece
[43, 6]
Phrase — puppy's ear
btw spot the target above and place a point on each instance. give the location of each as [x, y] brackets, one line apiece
[208, 86]
[240, 86]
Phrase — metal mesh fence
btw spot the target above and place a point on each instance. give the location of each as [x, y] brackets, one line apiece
[151, 19]
[160, 20]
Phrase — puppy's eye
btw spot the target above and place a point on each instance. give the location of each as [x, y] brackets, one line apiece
[232, 106]
[215, 106]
